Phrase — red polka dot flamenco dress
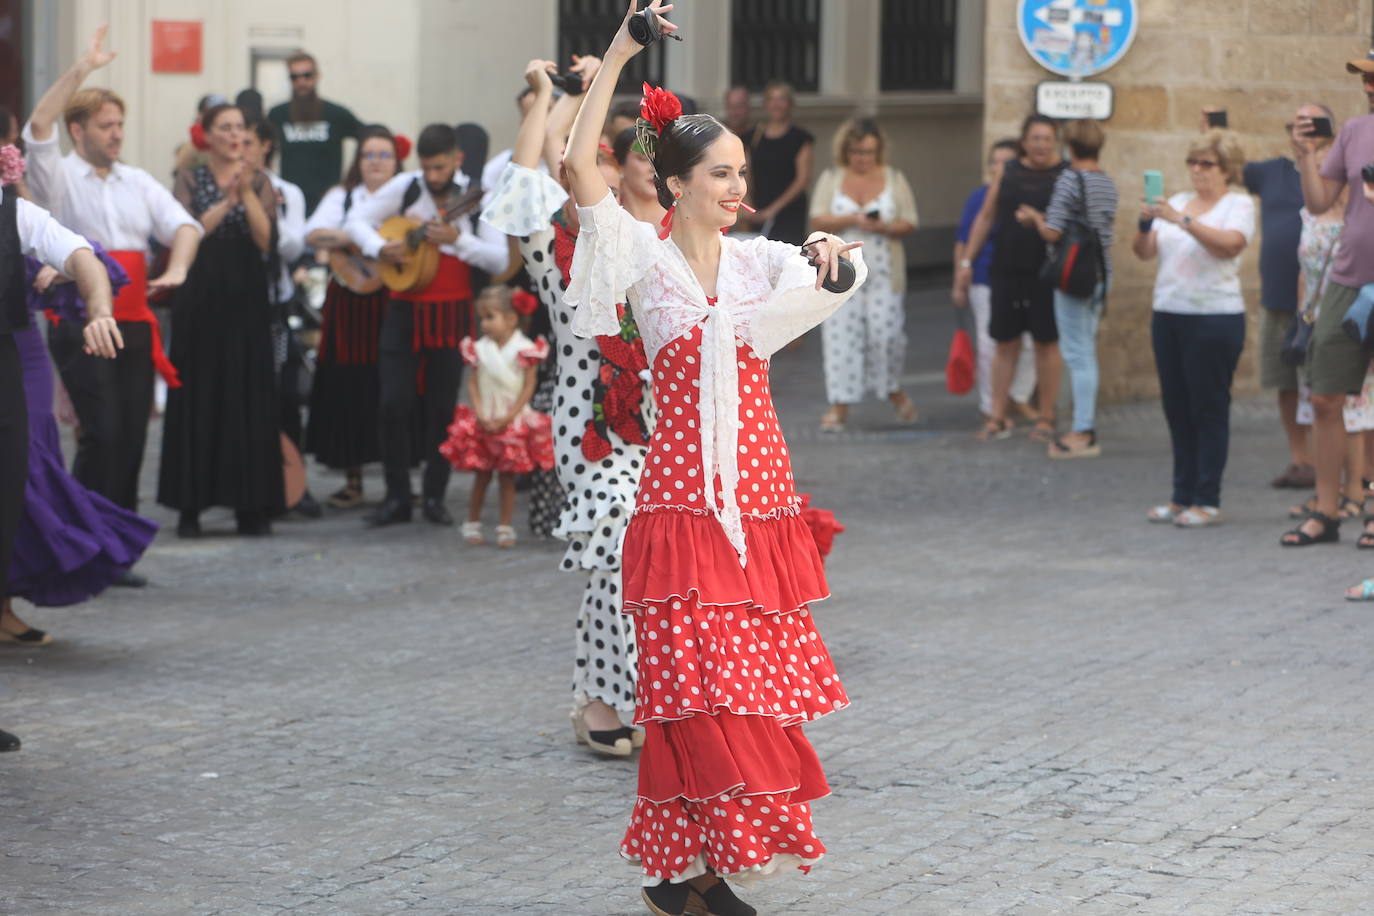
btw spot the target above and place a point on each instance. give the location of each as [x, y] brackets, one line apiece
[719, 567]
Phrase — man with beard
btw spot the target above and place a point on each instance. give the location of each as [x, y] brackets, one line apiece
[422, 328]
[94, 194]
[312, 131]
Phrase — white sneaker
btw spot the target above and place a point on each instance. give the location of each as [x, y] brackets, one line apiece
[1198, 517]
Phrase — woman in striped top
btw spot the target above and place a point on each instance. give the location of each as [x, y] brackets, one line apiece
[1077, 317]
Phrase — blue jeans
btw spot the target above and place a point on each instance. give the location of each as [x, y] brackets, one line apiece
[1196, 357]
[1077, 321]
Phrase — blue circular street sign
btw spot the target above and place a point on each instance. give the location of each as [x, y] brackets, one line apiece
[1076, 38]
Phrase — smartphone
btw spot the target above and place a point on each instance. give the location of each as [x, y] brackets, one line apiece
[1154, 186]
[1216, 119]
[874, 214]
[1321, 127]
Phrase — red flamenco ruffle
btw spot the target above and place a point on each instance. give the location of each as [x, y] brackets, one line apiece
[706, 757]
[672, 554]
[525, 445]
[743, 836]
[696, 660]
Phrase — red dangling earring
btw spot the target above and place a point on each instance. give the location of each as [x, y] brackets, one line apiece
[667, 221]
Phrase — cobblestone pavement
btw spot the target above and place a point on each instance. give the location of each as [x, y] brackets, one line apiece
[1057, 707]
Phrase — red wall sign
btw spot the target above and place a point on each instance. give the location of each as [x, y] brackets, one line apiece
[176, 46]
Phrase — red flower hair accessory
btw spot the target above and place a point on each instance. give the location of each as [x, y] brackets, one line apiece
[198, 137]
[524, 302]
[11, 164]
[659, 107]
[402, 147]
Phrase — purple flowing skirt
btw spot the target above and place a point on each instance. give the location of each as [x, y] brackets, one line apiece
[72, 544]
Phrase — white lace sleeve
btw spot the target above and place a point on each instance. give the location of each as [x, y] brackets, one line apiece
[614, 251]
[523, 201]
[796, 306]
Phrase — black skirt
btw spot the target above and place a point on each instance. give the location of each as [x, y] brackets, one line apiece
[221, 442]
[343, 430]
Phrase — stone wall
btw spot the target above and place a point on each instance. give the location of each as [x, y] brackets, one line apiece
[1259, 59]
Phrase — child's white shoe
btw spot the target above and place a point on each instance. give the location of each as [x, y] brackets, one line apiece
[505, 536]
[472, 533]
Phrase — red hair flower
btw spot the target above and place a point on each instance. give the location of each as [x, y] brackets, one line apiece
[198, 137]
[402, 147]
[659, 107]
[524, 302]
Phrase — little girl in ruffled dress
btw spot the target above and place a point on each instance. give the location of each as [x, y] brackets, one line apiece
[497, 432]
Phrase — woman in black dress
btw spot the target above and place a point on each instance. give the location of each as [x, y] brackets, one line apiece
[220, 442]
[780, 169]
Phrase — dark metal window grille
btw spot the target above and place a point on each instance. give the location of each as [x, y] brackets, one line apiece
[776, 40]
[586, 27]
[918, 44]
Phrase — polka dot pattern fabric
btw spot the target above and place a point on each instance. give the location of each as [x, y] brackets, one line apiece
[746, 836]
[605, 660]
[863, 345]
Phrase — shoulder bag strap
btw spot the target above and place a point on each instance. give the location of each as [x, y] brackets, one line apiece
[1309, 314]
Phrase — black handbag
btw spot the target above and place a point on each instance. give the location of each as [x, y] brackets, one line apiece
[1079, 262]
[1298, 337]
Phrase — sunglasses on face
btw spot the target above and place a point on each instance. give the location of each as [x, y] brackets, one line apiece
[1200, 163]
[303, 75]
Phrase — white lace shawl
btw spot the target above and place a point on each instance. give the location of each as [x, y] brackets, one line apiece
[766, 296]
[523, 201]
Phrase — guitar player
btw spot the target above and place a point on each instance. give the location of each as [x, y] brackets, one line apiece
[418, 359]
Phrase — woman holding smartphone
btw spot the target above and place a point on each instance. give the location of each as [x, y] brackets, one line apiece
[1198, 328]
[720, 570]
[864, 343]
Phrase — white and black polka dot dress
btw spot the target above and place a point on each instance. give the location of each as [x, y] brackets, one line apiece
[864, 343]
[599, 495]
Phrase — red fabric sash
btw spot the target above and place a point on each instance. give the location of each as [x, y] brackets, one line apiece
[452, 281]
[131, 304]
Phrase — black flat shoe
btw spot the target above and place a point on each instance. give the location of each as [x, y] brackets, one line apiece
[666, 899]
[188, 525]
[8, 742]
[130, 579]
[252, 524]
[719, 900]
[392, 511]
[30, 637]
[435, 512]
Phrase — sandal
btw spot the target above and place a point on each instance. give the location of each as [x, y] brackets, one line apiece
[1198, 517]
[1060, 449]
[1366, 538]
[30, 637]
[831, 422]
[995, 430]
[1043, 430]
[1303, 510]
[505, 536]
[1365, 593]
[1295, 477]
[348, 497]
[472, 533]
[1330, 533]
[1163, 514]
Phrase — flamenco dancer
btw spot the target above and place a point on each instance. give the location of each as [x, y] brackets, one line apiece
[720, 569]
[342, 433]
[72, 543]
[27, 229]
[601, 417]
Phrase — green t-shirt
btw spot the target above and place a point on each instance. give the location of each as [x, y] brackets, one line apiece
[312, 151]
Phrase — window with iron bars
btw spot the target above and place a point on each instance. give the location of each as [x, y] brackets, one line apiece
[586, 27]
[918, 45]
[776, 40]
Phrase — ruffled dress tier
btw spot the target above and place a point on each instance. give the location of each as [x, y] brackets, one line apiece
[526, 443]
[720, 568]
[602, 417]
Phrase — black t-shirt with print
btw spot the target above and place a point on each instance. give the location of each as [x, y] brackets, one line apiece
[312, 151]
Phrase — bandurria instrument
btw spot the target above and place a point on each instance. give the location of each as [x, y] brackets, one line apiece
[423, 262]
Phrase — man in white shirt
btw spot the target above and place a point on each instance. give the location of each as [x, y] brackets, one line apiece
[422, 327]
[29, 230]
[121, 207]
